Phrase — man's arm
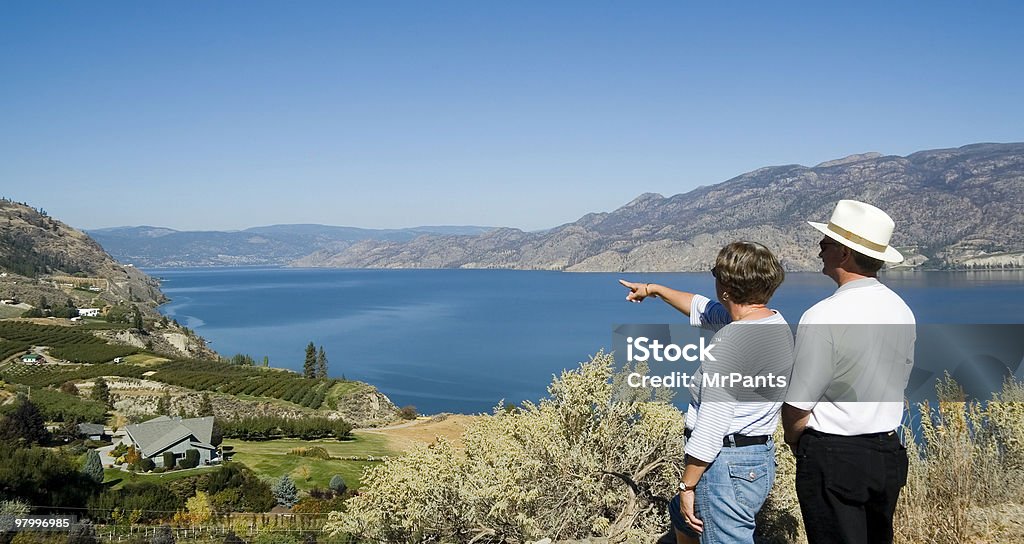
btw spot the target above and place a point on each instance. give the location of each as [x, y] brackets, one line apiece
[794, 421]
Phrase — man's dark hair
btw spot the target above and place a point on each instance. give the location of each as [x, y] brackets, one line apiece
[867, 265]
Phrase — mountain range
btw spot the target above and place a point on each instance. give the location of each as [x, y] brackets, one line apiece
[274, 245]
[954, 208]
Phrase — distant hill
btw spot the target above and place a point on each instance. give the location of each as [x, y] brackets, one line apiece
[954, 208]
[269, 245]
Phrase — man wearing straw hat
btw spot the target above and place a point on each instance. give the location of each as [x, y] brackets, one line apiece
[854, 353]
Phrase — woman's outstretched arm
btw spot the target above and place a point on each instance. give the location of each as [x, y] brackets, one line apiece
[680, 300]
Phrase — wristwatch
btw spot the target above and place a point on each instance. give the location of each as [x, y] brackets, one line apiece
[684, 488]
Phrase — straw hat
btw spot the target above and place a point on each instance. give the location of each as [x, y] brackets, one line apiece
[862, 228]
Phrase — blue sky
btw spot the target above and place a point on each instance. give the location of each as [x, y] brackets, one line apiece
[226, 115]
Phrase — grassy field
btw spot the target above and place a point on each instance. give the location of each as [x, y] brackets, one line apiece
[10, 311]
[145, 359]
[271, 459]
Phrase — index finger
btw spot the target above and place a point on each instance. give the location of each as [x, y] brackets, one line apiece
[627, 284]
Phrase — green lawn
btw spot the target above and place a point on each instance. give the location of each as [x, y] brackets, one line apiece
[118, 478]
[271, 459]
[10, 311]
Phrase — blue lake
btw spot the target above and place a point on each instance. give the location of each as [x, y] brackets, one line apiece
[461, 340]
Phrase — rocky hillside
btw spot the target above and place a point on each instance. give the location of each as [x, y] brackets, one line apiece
[45, 260]
[46, 254]
[953, 208]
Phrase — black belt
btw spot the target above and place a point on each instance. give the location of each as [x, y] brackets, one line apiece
[819, 434]
[738, 440]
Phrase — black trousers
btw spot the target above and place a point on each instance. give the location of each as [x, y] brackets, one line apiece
[848, 486]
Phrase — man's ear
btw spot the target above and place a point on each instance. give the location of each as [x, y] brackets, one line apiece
[847, 255]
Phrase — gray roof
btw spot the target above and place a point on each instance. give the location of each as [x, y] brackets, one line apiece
[91, 428]
[158, 434]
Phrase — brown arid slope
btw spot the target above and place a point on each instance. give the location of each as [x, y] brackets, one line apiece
[954, 208]
[37, 247]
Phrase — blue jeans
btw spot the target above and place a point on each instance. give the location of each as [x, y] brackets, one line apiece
[729, 494]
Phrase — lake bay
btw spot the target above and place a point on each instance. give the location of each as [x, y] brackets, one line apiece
[461, 340]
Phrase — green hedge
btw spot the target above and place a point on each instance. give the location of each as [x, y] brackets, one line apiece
[92, 353]
[244, 380]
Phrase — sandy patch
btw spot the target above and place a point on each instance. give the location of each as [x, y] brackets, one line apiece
[425, 431]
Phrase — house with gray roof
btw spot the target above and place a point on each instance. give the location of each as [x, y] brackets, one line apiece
[92, 431]
[174, 434]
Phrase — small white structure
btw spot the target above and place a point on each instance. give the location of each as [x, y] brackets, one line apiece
[89, 312]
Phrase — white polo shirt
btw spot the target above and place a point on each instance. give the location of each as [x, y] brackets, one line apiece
[853, 345]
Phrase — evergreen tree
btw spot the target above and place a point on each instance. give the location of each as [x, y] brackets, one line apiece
[285, 491]
[93, 467]
[163, 405]
[68, 431]
[309, 367]
[321, 363]
[137, 322]
[24, 422]
[337, 485]
[100, 391]
[266, 362]
[217, 434]
[205, 405]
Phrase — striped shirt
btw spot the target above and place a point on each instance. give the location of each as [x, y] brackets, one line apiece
[714, 412]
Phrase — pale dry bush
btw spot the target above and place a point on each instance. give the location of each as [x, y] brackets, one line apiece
[590, 460]
[556, 470]
[968, 467]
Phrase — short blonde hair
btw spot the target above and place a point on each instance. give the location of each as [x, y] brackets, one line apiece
[749, 272]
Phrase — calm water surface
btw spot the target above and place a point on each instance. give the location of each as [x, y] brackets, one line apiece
[461, 340]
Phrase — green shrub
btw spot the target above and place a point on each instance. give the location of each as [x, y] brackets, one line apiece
[315, 452]
[337, 485]
[155, 501]
[267, 427]
[191, 459]
[168, 460]
[235, 488]
[408, 412]
[43, 477]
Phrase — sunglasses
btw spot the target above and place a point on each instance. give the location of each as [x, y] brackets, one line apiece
[823, 245]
